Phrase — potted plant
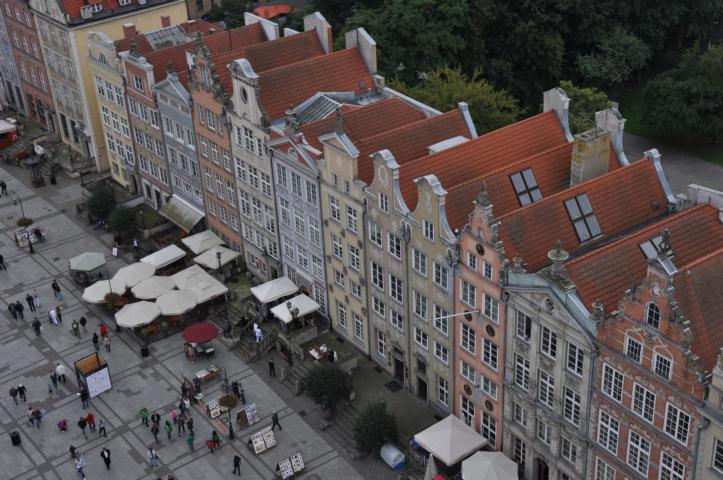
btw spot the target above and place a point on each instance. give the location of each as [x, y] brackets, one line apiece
[24, 222]
[327, 385]
[374, 427]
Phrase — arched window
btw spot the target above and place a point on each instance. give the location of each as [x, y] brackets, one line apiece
[652, 315]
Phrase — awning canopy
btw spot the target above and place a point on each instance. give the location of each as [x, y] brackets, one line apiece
[181, 213]
[135, 273]
[201, 242]
[96, 293]
[177, 302]
[87, 262]
[6, 126]
[450, 440]
[274, 289]
[489, 466]
[296, 307]
[153, 287]
[164, 256]
[137, 314]
[209, 258]
[197, 279]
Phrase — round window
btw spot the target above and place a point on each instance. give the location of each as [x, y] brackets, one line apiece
[490, 331]
[480, 249]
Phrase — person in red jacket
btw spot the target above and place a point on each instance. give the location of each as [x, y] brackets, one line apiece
[103, 330]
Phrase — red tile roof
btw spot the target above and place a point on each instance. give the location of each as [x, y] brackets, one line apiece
[364, 122]
[142, 44]
[483, 154]
[550, 168]
[621, 200]
[699, 292]
[271, 11]
[608, 271]
[342, 71]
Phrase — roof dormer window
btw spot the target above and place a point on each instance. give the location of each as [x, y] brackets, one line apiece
[651, 248]
[583, 217]
[526, 187]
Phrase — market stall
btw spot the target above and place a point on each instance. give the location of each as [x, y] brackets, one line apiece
[96, 293]
[248, 416]
[198, 337]
[269, 293]
[164, 257]
[153, 287]
[133, 274]
[201, 242]
[85, 267]
[450, 440]
[92, 373]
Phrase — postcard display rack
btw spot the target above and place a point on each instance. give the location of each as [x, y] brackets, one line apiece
[247, 416]
[262, 440]
[289, 467]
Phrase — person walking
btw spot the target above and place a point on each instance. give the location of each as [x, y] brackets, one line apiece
[83, 323]
[31, 302]
[36, 298]
[57, 292]
[103, 330]
[275, 421]
[51, 388]
[60, 371]
[75, 326]
[216, 439]
[84, 397]
[37, 327]
[59, 314]
[181, 424]
[73, 452]
[90, 418]
[19, 309]
[12, 310]
[37, 417]
[3, 188]
[101, 429]
[54, 379]
[106, 343]
[31, 415]
[14, 393]
[236, 464]
[156, 419]
[272, 368]
[82, 423]
[79, 465]
[190, 439]
[189, 424]
[105, 455]
[96, 341]
[63, 425]
[152, 457]
[144, 416]
[22, 391]
[168, 428]
[154, 431]
[2, 263]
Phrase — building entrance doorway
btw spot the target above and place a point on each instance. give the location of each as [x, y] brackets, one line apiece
[543, 471]
[399, 369]
[421, 388]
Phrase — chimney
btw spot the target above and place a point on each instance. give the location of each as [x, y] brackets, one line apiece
[129, 30]
[359, 38]
[612, 120]
[165, 21]
[556, 100]
[316, 21]
[590, 155]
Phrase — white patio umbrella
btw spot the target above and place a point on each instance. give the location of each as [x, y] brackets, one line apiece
[153, 287]
[177, 302]
[210, 258]
[489, 466]
[137, 314]
[86, 262]
[135, 273]
[431, 471]
[201, 242]
[450, 440]
[96, 293]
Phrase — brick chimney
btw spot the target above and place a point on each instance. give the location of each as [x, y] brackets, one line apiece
[590, 155]
[129, 30]
[165, 21]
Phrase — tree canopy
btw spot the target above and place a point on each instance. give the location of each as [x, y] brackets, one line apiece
[229, 11]
[584, 102]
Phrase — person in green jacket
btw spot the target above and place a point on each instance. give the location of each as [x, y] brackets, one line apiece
[190, 440]
[144, 416]
[168, 428]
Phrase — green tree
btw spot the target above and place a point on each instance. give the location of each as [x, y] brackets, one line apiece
[336, 12]
[584, 102]
[122, 222]
[101, 202]
[687, 101]
[327, 385]
[617, 57]
[229, 11]
[444, 87]
[374, 427]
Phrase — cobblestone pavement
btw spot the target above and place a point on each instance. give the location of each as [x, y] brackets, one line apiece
[137, 382]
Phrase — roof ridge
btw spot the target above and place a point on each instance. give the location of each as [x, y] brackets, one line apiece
[409, 125]
[302, 63]
[655, 226]
[283, 40]
[700, 260]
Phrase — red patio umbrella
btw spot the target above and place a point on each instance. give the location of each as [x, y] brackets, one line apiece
[201, 332]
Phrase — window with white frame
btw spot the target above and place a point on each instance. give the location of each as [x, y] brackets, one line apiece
[548, 342]
[311, 193]
[441, 352]
[487, 271]
[571, 406]
[643, 403]
[468, 372]
[519, 414]
[492, 308]
[662, 366]
[544, 432]
[575, 359]
[354, 261]
[420, 336]
[419, 262]
[420, 305]
[397, 320]
[381, 344]
[442, 391]
[471, 261]
[568, 449]
[314, 231]
[296, 184]
[467, 411]
[638, 453]
[677, 423]
[441, 322]
[337, 248]
[375, 234]
[546, 388]
[488, 387]
[378, 307]
[334, 209]
[358, 327]
[339, 278]
[670, 468]
[488, 428]
[522, 372]
[523, 326]
[396, 288]
[351, 219]
[490, 352]
[384, 202]
[468, 338]
[612, 383]
[607, 432]
[519, 451]
[634, 349]
[138, 83]
[652, 315]
[603, 471]
[718, 455]
[355, 289]
[469, 294]
[441, 276]
[428, 230]
[394, 243]
[377, 275]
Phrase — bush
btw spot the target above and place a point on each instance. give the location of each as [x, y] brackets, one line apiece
[327, 385]
[374, 427]
[122, 222]
[228, 401]
[24, 222]
[101, 202]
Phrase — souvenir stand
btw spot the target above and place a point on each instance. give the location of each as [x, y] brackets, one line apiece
[92, 372]
[289, 467]
[261, 441]
[247, 416]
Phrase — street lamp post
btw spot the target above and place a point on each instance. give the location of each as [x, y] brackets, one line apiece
[231, 435]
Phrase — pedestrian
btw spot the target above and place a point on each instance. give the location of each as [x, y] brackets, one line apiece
[83, 322]
[14, 394]
[22, 391]
[90, 418]
[82, 423]
[31, 302]
[101, 429]
[31, 415]
[272, 368]
[37, 417]
[103, 330]
[259, 335]
[73, 452]
[12, 308]
[54, 379]
[37, 327]
[60, 371]
[3, 188]
[19, 309]
[152, 457]
[275, 421]
[156, 419]
[144, 416]
[190, 439]
[236, 464]
[216, 439]
[181, 424]
[96, 341]
[84, 397]
[51, 388]
[57, 292]
[211, 445]
[53, 316]
[59, 314]
[105, 455]
[2, 263]
[154, 431]
[189, 424]
[63, 425]
[36, 298]
[79, 464]
[235, 389]
[75, 326]
[106, 343]
[168, 428]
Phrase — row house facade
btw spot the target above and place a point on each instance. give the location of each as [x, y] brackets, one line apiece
[64, 28]
[710, 445]
[11, 91]
[20, 26]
